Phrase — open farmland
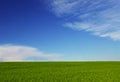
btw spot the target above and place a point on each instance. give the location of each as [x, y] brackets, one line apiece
[60, 72]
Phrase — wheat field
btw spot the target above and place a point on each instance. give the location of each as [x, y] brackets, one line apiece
[60, 72]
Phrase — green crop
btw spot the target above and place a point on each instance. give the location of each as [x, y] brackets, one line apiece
[60, 72]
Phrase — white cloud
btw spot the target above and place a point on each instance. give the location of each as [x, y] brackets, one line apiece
[98, 17]
[61, 6]
[112, 35]
[23, 53]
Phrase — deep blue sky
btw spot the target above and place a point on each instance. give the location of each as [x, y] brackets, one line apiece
[37, 24]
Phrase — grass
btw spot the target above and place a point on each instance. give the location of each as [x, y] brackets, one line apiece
[60, 72]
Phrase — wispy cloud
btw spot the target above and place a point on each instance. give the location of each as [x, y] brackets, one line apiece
[61, 7]
[23, 53]
[98, 17]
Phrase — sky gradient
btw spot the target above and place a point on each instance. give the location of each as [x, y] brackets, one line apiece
[57, 30]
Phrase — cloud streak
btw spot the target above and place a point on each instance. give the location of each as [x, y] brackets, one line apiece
[23, 53]
[98, 17]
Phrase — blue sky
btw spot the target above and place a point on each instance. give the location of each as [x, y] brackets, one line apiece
[59, 30]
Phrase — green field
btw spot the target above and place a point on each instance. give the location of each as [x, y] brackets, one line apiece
[60, 72]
